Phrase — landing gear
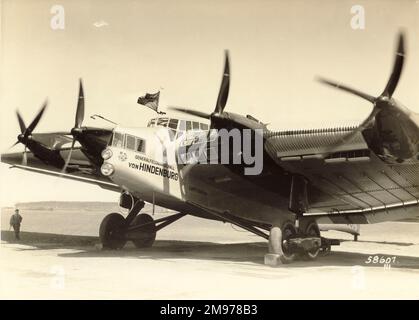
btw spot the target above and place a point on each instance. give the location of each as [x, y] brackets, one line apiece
[141, 229]
[111, 231]
[312, 230]
[145, 236]
[289, 243]
[280, 250]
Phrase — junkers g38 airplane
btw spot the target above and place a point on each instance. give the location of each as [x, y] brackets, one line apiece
[357, 175]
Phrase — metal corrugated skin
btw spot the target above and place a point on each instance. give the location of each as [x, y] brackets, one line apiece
[360, 180]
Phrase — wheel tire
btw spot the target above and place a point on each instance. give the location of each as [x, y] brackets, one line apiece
[110, 233]
[288, 231]
[277, 237]
[146, 235]
[313, 230]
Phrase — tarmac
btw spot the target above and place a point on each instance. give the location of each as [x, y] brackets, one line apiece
[59, 257]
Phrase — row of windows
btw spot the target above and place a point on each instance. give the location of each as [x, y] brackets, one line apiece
[175, 124]
[128, 141]
[177, 129]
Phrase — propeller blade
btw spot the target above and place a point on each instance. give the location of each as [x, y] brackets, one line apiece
[21, 122]
[397, 68]
[67, 161]
[225, 87]
[80, 106]
[347, 89]
[16, 143]
[35, 121]
[24, 158]
[191, 112]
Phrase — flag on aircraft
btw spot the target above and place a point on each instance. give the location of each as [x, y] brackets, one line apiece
[150, 100]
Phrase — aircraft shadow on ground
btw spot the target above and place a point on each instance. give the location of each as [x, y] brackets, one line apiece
[249, 252]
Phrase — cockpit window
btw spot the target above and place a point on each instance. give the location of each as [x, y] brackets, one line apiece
[162, 122]
[177, 128]
[188, 125]
[118, 140]
[173, 124]
[182, 125]
[130, 143]
[182, 128]
[140, 145]
[135, 143]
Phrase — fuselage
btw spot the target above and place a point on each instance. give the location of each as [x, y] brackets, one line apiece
[147, 163]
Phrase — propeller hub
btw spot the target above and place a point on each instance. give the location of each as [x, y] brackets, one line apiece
[21, 137]
[382, 102]
[218, 115]
[383, 99]
[76, 132]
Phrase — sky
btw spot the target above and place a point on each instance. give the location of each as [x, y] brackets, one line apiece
[125, 48]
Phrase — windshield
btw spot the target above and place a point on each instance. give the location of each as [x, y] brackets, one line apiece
[127, 141]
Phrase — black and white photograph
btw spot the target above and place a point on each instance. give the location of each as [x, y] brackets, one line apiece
[236, 150]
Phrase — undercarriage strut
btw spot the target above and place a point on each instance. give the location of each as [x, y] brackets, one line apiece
[164, 222]
[252, 227]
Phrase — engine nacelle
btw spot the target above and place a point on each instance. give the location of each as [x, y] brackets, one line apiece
[395, 134]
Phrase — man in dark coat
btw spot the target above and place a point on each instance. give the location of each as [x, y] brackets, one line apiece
[15, 221]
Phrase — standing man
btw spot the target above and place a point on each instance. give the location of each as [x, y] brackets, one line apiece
[15, 221]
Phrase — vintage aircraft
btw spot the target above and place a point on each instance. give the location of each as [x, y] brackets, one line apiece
[355, 175]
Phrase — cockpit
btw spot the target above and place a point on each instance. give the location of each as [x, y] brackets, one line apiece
[132, 140]
[177, 126]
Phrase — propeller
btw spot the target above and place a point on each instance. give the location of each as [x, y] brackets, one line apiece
[77, 129]
[25, 135]
[384, 100]
[224, 88]
[218, 110]
[221, 100]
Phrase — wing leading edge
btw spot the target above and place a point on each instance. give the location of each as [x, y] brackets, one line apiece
[80, 169]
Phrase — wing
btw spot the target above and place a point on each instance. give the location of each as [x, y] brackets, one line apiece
[80, 168]
[53, 140]
[347, 182]
[355, 184]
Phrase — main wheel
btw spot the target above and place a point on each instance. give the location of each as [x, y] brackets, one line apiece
[312, 230]
[145, 236]
[288, 231]
[278, 242]
[111, 231]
